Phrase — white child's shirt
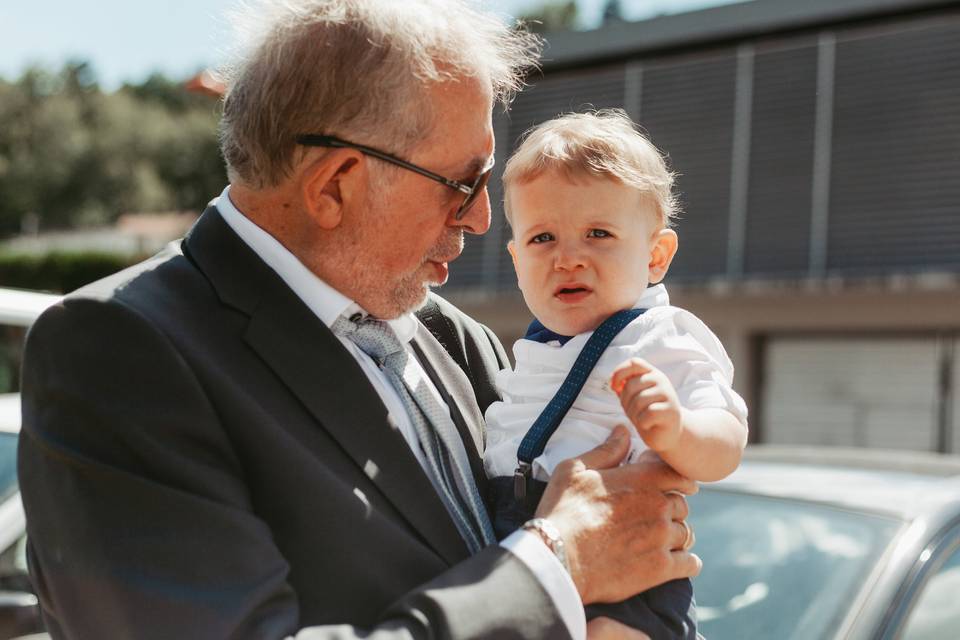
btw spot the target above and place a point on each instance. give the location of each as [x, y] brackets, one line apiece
[673, 340]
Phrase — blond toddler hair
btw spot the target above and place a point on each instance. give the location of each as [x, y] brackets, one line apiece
[603, 143]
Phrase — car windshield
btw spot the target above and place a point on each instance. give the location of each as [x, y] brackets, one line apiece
[8, 465]
[779, 568]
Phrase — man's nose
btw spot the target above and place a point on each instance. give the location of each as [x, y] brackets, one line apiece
[476, 219]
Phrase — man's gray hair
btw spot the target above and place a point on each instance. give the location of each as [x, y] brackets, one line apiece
[354, 69]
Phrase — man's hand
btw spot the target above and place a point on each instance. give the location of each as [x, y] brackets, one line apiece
[621, 524]
[650, 401]
[608, 629]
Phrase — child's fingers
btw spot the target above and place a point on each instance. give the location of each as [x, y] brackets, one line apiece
[638, 383]
[627, 370]
[638, 405]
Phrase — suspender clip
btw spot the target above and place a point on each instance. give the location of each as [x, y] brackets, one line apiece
[520, 477]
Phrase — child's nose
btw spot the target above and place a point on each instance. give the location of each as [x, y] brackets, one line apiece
[568, 258]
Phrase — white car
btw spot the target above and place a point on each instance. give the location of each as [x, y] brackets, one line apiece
[830, 544]
[19, 610]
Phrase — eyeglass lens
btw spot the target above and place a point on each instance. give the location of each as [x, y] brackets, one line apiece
[471, 199]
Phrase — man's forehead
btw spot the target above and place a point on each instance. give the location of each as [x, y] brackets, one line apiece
[462, 137]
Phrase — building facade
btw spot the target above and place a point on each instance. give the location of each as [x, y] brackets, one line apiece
[818, 152]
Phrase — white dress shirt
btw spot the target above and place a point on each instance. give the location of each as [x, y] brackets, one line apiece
[669, 338]
[328, 304]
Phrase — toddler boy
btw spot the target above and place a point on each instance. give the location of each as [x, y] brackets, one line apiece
[590, 200]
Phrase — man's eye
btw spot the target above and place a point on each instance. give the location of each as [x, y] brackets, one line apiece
[598, 233]
[541, 237]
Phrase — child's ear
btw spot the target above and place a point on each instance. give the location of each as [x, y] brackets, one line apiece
[661, 255]
[512, 248]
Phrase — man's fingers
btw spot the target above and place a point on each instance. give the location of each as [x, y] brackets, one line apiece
[652, 474]
[681, 536]
[685, 564]
[608, 629]
[678, 509]
[610, 453]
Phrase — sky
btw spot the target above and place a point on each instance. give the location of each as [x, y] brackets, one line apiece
[126, 40]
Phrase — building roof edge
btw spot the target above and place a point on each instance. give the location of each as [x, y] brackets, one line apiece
[727, 22]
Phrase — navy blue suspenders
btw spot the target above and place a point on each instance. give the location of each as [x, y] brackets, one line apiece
[546, 424]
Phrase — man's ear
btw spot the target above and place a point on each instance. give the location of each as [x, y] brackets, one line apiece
[332, 182]
[664, 248]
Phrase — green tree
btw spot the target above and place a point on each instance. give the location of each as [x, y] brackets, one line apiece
[552, 16]
[73, 155]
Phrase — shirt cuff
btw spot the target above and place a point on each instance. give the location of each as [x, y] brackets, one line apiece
[558, 584]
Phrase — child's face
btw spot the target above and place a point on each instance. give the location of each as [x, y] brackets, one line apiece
[584, 250]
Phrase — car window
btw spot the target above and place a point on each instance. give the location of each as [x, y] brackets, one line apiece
[8, 465]
[11, 356]
[776, 568]
[937, 614]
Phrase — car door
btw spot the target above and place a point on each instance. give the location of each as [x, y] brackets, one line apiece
[930, 606]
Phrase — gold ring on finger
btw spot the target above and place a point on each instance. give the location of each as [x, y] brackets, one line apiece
[688, 538]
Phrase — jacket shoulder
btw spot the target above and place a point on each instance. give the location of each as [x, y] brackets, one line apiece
[471, 344]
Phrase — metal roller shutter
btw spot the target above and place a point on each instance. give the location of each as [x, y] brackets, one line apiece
[954, 398]
[862, 392]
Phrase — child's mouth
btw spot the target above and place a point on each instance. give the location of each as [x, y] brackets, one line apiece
[572, 294]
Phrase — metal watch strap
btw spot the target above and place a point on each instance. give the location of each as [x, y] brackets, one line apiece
[550, 536]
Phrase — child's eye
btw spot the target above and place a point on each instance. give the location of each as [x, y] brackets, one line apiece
[598, 233]
[541, 237]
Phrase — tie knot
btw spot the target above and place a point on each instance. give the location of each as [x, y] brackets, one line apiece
[374, 337]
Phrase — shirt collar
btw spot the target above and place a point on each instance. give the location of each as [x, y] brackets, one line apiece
[324, 301]
[655, 296]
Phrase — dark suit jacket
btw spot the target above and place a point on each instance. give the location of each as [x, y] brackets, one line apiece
[201, 458]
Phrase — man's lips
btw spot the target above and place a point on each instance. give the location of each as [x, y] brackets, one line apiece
[442, 267]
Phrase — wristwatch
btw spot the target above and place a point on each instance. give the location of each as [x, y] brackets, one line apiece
[550, 536]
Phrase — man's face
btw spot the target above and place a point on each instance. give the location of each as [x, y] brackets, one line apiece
[406, 236]
[581, 248]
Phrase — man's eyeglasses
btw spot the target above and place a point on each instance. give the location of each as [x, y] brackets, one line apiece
[471, 191]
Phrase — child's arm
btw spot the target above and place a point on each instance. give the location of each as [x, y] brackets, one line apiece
[701, 444]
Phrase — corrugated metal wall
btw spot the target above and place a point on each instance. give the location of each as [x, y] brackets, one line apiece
[896, 149]
[687, 108]
[835, 152]
[781, 159]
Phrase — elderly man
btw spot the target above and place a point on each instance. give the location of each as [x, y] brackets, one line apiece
[251, 436]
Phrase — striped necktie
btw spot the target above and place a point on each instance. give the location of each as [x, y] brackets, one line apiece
[447, 463]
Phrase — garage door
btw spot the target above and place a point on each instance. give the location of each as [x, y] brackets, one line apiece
[954, 400]
[862, 392]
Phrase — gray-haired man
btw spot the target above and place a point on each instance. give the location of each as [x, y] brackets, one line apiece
[212, 447]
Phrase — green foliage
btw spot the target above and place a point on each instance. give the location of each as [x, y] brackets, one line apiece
[73, 155]
[59, 272]
[552, 16]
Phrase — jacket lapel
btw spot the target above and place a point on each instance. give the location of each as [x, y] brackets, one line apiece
[455, 388]
[323, 376]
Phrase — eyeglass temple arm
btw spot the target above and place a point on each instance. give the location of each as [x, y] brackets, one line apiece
[317, 140]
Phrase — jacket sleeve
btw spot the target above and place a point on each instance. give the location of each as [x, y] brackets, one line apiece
[140, 523]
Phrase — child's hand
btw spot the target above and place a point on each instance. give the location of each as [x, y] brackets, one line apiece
[650, 401]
